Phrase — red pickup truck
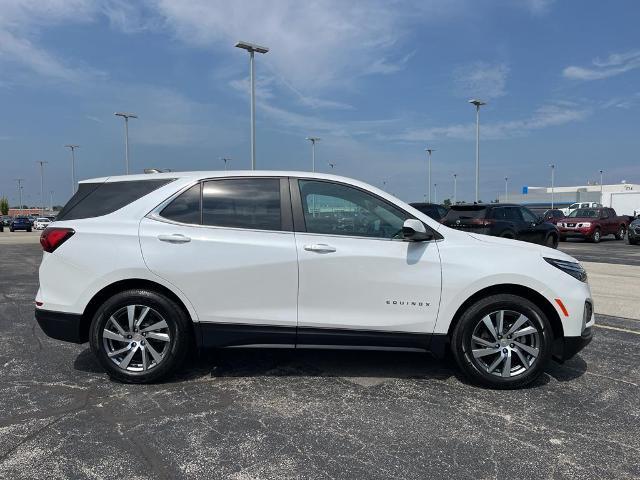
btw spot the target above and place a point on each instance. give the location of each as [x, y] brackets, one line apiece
[592, 224]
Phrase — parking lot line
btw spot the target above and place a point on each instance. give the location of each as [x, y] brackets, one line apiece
[609, 327]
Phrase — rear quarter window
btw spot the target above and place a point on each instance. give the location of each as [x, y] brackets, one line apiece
[98, 199]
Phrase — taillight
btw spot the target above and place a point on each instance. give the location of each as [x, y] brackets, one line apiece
[53, 237]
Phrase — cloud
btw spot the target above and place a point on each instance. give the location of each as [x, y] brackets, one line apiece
[614, 64]
[481, 80]
[538, 7]
[550, 115]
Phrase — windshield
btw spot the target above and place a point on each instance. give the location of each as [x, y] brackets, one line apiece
[584, 213]
[465, 213]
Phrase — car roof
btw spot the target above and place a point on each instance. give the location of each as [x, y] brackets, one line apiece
[479, 206]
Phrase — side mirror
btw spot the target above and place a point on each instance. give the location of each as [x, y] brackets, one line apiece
[415, 231]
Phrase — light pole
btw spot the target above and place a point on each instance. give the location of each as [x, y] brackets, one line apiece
[73, 166]
[478, 104]
[20, 180]
[506, 189]
[225, 160]
[252, 49]
[601, 190]
[51, 201]
[126, 117]
[553, 178]
[313, 141]
[455, 188]
[42, 164]
[429, 150]
[435, 192]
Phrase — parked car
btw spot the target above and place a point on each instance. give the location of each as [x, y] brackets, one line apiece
[154, 264]
[6, 220]
[502, 220]
[633, 233]
[20, 223]
[576, 206]
[434, 210]
[41, 223]
[1, 225]
[552, 215]
[592, 224]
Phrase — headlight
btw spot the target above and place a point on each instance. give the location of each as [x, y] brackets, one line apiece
[585, 224]
[572, 268]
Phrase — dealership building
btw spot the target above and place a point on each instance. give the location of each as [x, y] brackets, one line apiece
[623, 197]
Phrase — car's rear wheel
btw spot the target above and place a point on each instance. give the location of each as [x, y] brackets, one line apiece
[596, 237]
[508, 234]
[140, 336]
[502, 341]
[621, 233]
[551, 241]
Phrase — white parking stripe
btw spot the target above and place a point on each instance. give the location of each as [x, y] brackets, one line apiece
[608, 327]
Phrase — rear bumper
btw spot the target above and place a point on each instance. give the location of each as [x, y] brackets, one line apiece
[568, 347]
[60, 325]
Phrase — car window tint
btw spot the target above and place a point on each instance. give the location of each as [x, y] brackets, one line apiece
[498, 213]
[335, 209]
[442, 211]
[513, 214]
[185, 208]
[465, 213]
[252, 203]
[528, 216]
[97, 199]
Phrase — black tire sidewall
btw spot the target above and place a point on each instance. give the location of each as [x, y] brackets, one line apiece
[461, 340]
[176, 319]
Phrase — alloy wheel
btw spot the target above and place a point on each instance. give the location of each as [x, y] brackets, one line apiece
[505, 343]
[136, 338]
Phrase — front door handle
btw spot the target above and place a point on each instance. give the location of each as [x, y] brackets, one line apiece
[320, 248]
[175, 238]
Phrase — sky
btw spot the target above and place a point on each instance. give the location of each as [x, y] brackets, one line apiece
[378, 81]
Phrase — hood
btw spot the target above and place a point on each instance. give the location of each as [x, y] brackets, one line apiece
[521, 246]
[578, 219]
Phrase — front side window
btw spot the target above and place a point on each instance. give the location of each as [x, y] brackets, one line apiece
[252, 203]
[335, 209]
[513, 214]
[528, 216]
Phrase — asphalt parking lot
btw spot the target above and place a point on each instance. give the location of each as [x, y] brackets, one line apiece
[243, 414]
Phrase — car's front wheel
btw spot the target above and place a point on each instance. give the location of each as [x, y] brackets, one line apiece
[502, 341]
[621, 233]
[595, 238]
[551, 241]
[140, 336]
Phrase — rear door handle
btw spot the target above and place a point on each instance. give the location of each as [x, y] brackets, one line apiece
[320, 248]
[175, 238]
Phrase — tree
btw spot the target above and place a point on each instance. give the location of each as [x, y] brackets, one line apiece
[447, 202]
[4, 206]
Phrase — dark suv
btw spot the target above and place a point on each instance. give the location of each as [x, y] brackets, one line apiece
[20, 223]
[433, 210]
[502, 220]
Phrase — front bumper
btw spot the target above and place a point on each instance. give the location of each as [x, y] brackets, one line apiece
[576, 232]
[61, 326]
[568, 347]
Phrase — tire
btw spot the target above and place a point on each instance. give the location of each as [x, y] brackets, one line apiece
[11, 229]
[551, 241]
[631, 242]
[471, 326]
[154, 357]
[597, 236]
[621, 233]
[563, 239]
[29, 230]
[508, 234]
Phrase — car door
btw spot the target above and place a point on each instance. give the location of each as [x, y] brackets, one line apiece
[533, 230]
[355, 270]
[228, 245]
[605, 221]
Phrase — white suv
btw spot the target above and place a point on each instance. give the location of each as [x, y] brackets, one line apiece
[145, 266]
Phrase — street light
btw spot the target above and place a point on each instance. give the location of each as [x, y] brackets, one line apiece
[506, 189]
[435, 193]
[252, 49]
[126, 117]
[42, 164]
[313, 141]
[429, 150]
[225, 160]
[601, 192]
[553, 171]
[51, 201]
[73, 166]
[478, 104]
[19, 181]
[455, 189]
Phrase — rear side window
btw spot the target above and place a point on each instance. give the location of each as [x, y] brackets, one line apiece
[185, 208]
[252, 203]
[97, 199]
